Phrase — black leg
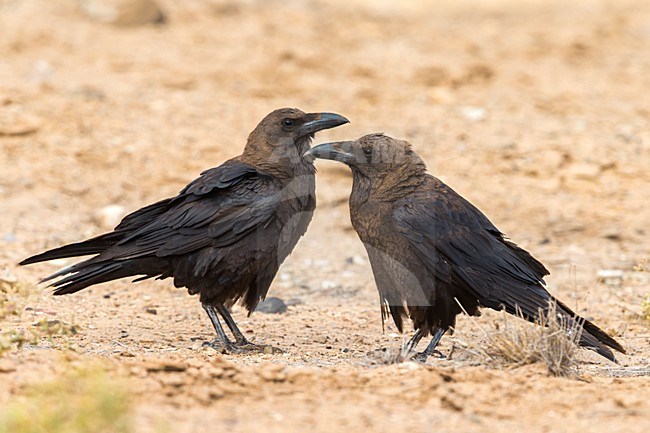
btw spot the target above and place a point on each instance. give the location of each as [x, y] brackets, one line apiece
[241, 344]
[239, 337]
[224, 344]
[413, 342]
[431, 348]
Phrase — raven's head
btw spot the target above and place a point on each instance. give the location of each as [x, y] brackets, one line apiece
[373, 155]
[286, 134]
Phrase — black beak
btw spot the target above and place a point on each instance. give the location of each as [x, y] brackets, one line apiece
[338, 151]
[319, 121]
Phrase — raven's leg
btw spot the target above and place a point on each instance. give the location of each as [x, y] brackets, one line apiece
[222, 344]
[241, 343]
[413, 342]
[431, 348]
[239, 337]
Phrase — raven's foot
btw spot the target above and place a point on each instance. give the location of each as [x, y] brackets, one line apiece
[225, 348]
[248, 347]
[422, 357]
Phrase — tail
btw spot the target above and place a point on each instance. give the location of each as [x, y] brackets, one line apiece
[88, 247]
[81, 276]
[99, 244]
[94, 271]
[592, 336]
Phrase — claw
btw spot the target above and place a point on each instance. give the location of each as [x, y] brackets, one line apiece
[422, 357]
[220, 347]
[258, 348]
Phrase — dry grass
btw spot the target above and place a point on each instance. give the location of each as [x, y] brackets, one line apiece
[14, 295]
[551, 341]
[645, 309]
[80, 402]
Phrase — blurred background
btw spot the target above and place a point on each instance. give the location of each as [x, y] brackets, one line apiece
[536, 111]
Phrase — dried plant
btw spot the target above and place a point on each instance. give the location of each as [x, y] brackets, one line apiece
[553, 340]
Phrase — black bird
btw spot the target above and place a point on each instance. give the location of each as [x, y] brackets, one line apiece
[224, 235]
[434, 254]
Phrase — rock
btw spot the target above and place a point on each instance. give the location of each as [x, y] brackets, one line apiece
[7, 277]
[18, 125]
[611, 277]
[127, 13]
[272, 306]
[584, 170]
[355, 260]
[294, 301]
[42, 72]
[109, 216]
[474, 114]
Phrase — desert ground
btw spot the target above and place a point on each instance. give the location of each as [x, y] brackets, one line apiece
[536, 111]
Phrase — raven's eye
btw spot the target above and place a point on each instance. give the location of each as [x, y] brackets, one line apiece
[287, 122]
[367, 151]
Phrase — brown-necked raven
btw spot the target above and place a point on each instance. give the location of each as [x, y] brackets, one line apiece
[224, 235]
[434, 254]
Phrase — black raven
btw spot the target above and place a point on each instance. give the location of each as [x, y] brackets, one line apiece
[224, 235]
[434, 254]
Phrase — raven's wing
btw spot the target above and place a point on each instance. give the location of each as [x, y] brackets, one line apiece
[217, 209]
[452, 237]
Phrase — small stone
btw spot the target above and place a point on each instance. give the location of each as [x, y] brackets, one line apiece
[7, 277]
[294, 301]
[109, 216]
[474, 114]
[584, 170]
[123, 12]
[124, 334]
[355, 260]
[151, 311]
[611, 277]
[272, 305]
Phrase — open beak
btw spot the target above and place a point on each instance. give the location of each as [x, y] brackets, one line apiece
[319, 121]
[338, 151]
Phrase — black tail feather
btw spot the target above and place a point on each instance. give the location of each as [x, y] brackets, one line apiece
[592, 336]
[88, 276]
[88, 247]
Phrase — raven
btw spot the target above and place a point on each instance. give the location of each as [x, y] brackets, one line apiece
[433, 254]
[224, 235]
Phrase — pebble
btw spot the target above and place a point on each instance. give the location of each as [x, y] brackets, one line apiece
[474, 114]
[327, 284]
[584, 170]
[123, 12]
[355, 260]
[7, 277]
[272, 305]
[611, 277]
[109, 216]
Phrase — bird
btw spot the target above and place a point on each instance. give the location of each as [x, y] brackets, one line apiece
[223, 236]
[435, 255]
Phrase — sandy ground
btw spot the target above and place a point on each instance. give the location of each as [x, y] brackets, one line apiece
[536, 111]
